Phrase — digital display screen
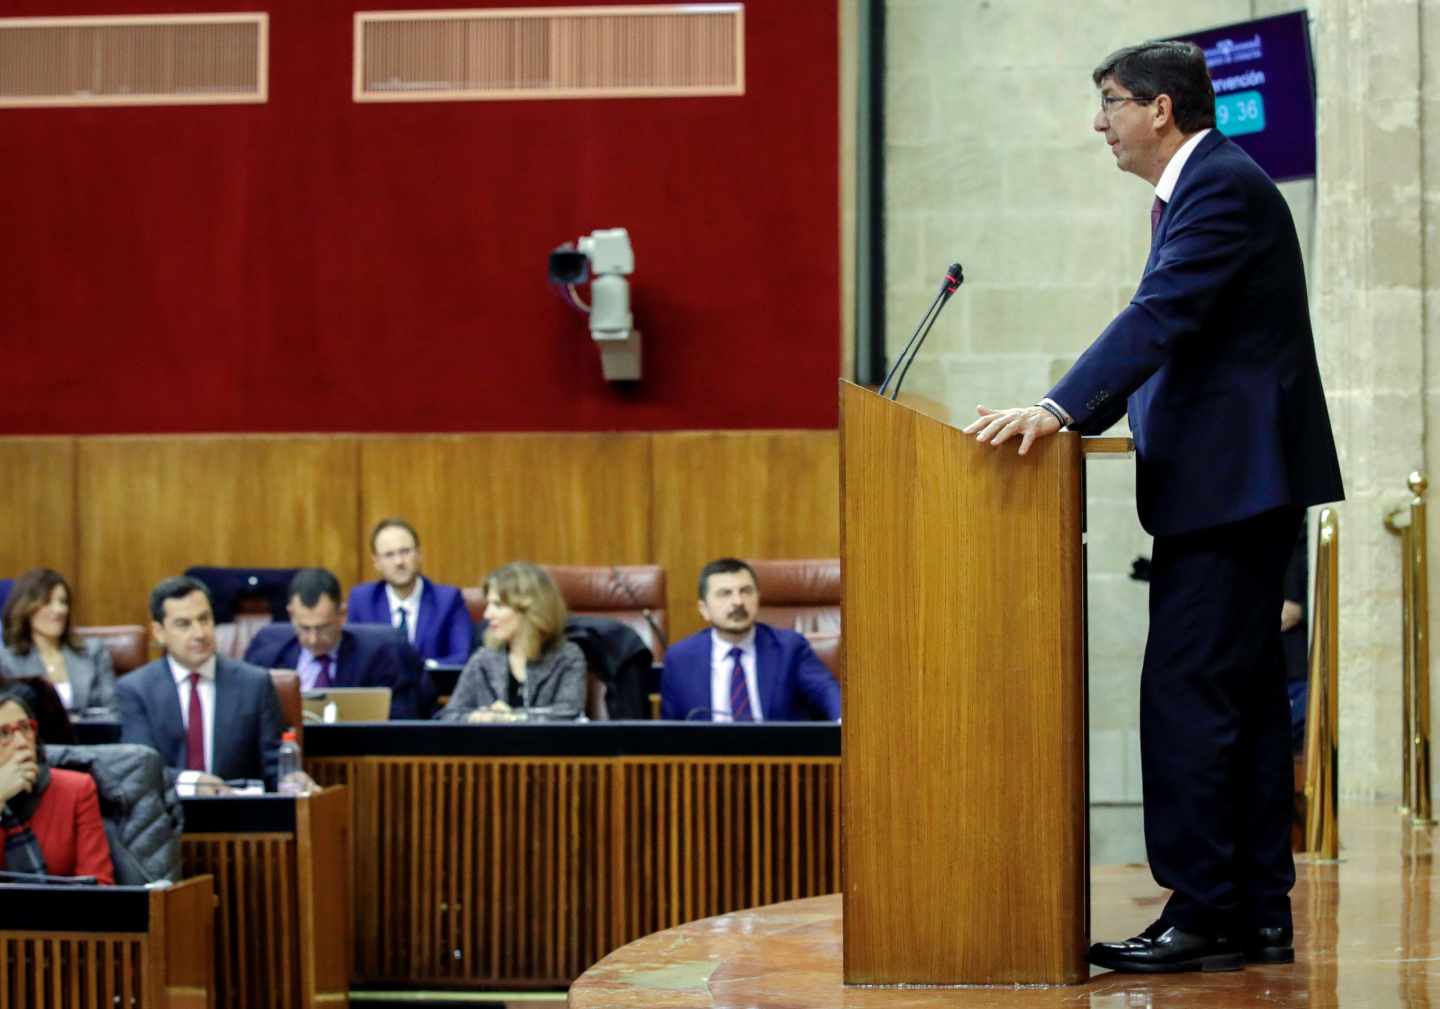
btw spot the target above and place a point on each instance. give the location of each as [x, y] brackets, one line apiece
[1265, 90]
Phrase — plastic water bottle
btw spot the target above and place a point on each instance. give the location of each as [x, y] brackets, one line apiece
[290, 764]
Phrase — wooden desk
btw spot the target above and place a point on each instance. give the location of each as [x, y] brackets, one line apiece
[279, 864]
[518, 855]
[97, 946]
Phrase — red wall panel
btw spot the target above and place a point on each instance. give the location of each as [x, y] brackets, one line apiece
[313, 264]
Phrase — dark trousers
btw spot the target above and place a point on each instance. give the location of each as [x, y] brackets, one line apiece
[1215, 726]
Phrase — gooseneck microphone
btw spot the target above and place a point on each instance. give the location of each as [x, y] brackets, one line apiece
[954, 277]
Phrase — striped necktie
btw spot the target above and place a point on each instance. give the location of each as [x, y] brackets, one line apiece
[739, 692]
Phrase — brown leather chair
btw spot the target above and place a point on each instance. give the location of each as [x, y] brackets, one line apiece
[800, 595]
[292, 708]
[251, 614]
[827, 649]
[128, 644]
[633, 594]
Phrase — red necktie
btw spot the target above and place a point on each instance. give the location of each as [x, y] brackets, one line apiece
[1156, 209]
[322, 679]
[195, 730]
[739, 693]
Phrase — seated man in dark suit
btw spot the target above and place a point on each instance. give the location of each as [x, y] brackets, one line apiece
[209, 717]
[317, 644]
[432, 617]
[740, 670]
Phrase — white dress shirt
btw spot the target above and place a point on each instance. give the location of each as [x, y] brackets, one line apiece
[720, 667]
[1165, 188]
[411, 607]
[207, 706]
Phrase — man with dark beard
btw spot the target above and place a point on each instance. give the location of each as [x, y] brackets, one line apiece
[740, 670]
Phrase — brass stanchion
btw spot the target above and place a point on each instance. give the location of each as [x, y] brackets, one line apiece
[1419, 693]
[1398, 521]
[1408, 521]
[1322, 725]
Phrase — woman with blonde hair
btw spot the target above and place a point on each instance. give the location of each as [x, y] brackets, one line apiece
[526, 662]
[40, 641]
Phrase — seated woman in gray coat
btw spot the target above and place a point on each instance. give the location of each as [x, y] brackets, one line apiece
[40, 642]
[526, 662]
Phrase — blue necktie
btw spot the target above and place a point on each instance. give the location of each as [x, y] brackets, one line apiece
[404, 624]
[739, 694]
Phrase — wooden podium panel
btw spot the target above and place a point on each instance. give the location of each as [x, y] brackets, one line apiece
[964, 789]
[284, 937]
[93, 947]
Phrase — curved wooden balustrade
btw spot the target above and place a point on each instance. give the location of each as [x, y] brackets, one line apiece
[494, 868]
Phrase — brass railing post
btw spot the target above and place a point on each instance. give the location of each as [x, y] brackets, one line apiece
[1398, 521]
[1322, 725]
[1418, 695]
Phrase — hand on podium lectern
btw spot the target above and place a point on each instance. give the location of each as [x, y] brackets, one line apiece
[1031, 423]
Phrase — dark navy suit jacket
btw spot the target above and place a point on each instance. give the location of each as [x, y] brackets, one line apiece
[794, 684]
[445, 632]
[1214, 359]
[246, 741]
[369, 656]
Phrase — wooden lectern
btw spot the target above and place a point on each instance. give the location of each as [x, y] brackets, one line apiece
[964, 807]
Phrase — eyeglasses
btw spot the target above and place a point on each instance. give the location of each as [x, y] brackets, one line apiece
[1108, 102]
[27, 727]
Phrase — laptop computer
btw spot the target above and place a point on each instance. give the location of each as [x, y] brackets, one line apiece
[352, 704]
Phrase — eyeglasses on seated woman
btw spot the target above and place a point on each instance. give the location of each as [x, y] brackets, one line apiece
[49, 818]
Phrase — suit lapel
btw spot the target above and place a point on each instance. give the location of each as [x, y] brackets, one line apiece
[165, 699]
[767, 671]
[224, 689]
[82, 678]
[345, 661]
[429, 613]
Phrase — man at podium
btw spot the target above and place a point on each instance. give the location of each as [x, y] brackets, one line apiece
[1214, 362]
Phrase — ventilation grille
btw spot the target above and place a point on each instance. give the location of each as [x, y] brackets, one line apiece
[140, 60]
[550, 52]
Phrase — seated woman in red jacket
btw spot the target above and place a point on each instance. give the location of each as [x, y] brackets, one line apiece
[50, 819]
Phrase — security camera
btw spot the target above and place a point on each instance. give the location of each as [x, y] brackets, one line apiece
[608, 258]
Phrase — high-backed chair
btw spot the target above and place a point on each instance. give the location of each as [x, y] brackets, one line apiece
[292, 705]
[235, 635]
[128, 644]
[800, 595]
[633, 594]
[827, 650]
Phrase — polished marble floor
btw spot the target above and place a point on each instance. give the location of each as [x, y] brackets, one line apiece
[1367, 936]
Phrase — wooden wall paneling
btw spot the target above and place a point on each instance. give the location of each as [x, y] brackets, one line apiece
[756, 494]
[37, 524]
[481, 500]
[151, 507]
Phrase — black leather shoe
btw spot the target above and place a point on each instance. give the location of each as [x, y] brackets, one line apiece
[1270, 945]
[1164, 949]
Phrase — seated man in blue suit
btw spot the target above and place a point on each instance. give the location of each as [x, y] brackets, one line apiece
[432, 616]
[317, 645]
[209, 717]
[740, 670]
